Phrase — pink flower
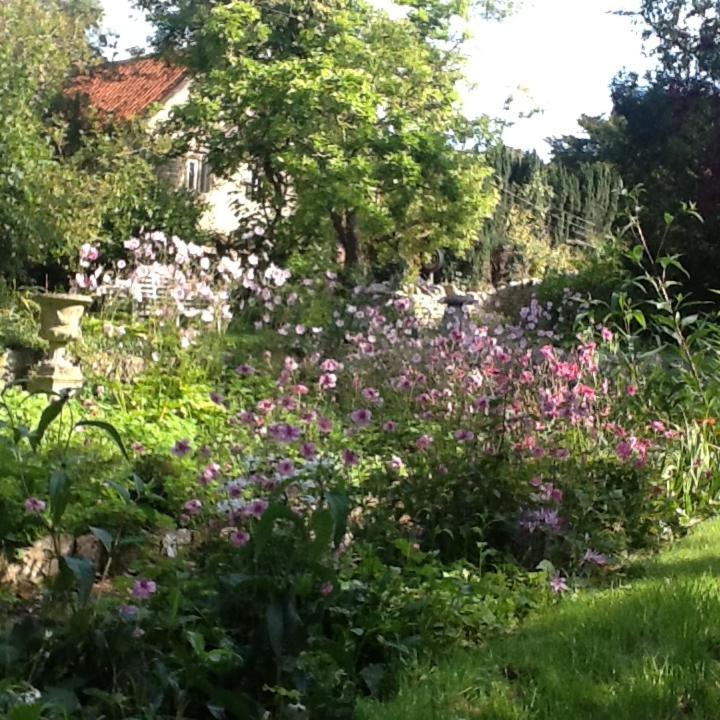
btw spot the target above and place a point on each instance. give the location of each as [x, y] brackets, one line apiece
[291, 364]
[606, 335]
[239, 538]
[331, 365]
[181, 448]
[350, 458]
[558, 584]
[396, 464]
[372, 395]
[423, 442]
[138, 448]
[361, 417]
[325, 425]
[265, 406]
[624, 450]
[143, 589]
[326, 589]
[300, 389]
[328, 381]
[34, 505]
[286, 468]
[210, 473]
[193, 507]
[632, 390]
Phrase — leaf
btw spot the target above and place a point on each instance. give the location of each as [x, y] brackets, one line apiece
[104, 537]
[275, 627]
[49, 414]
[109, 429]
[264, 528]
[84, 573]
[197, 641]
[339, 506]
[59, 495]
[26, 712]
[124, 492]
[323, 525]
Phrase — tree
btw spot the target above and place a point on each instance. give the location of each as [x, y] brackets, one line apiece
[664, 133]
[348, 119]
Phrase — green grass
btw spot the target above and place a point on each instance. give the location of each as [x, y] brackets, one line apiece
[649, 650]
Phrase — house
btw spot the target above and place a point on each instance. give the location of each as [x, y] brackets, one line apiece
[149, 88]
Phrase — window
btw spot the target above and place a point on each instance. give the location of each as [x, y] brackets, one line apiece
[197, 175]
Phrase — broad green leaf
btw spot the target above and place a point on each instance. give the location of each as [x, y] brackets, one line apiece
[49, 414]
[275, 627]
[339, 505]
[110, 430]
[84, 573]
[103, 536]
[59, 495]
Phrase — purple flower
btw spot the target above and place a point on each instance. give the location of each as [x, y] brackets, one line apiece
[328, 381]
[390, 426]
[257, 508]
[559, 585]
[325, 425]
[464, 435]
[309, 451]
[245, 370]
[181, 448]
[286, 468]
[239, 538]
[350, 458]
[595, 558]
[361, 417]
[128, 612]
[34, 505]
[217, 398]
[143, 589]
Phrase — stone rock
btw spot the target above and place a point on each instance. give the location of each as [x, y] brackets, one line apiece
[38, 561]
[92, 549]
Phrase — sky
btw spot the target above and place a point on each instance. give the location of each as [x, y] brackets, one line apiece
[556, 56]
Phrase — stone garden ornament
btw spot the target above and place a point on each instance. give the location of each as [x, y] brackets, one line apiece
[60, 316]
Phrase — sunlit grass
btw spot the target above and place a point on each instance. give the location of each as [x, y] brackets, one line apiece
[647, 650]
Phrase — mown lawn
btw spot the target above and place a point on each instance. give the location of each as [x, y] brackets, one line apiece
[649, 649]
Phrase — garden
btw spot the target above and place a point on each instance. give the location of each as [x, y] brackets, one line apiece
[255, 478]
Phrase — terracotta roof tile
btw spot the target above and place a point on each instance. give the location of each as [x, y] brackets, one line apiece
[127, 89]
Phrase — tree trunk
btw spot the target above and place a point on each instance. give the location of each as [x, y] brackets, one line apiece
[348, 236]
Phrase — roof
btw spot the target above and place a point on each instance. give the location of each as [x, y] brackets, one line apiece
[128, 88]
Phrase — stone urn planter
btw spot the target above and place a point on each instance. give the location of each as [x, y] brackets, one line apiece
[60, 316]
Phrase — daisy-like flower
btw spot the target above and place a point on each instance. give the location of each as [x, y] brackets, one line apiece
[559, 585]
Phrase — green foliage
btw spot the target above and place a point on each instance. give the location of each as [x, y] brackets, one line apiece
[347, 119]
[634, 651]
[547, 217]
